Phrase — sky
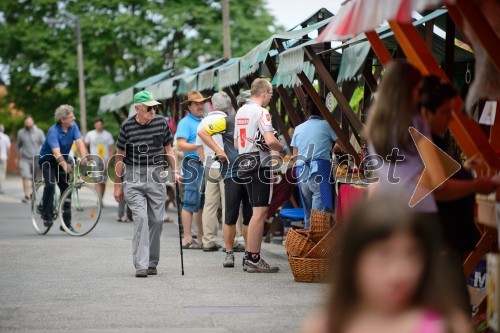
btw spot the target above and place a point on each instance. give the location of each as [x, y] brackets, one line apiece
[289, 13]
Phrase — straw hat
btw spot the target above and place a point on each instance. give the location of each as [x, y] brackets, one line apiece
[195, 96]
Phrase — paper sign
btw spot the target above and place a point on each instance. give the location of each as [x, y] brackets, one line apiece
[489, 112]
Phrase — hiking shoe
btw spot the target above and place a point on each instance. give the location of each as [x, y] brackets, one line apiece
[211, 248]
[237, 248]
[141, 273]
[245, 264]
[48, 223]
[152, 271]
[261, 267]
[229, 261]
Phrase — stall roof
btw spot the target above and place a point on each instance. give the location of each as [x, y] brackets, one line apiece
[125, 97]
[249, 63]
[153, 79]
[352, 63]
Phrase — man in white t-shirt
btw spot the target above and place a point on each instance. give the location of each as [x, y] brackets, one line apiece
[101, 145]
[254, 137]
[4, 156]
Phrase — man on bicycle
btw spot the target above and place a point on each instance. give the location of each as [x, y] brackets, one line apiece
[54, 161]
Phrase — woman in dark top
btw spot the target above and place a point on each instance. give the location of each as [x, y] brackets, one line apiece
[455, 199]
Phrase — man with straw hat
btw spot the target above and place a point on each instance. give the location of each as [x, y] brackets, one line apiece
[192, 167]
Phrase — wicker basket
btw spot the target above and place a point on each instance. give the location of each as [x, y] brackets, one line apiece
[310, 270]
[297, 242]
[320, 224]
[327, 245]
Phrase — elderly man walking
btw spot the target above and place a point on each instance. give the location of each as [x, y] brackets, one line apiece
[144, 149]
[192, 168]
[253, 123]
[29, 141]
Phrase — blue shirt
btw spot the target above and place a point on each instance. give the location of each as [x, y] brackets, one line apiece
[56, 138]
[188, 129]
[314, 140]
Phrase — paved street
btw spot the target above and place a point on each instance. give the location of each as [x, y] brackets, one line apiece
[58, 282]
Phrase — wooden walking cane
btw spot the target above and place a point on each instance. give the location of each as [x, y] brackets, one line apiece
[179, 221]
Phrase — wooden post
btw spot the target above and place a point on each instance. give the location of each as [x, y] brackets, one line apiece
[379, 48]
[124, 111]
[343, 141]
[229, 92]
[287, 100]
[356, 125]
[118, 119]
[449, 49]
[279, 122]
[482, 31]
[467, 133]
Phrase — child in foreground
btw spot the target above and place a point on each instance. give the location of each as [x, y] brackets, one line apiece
[389, 278]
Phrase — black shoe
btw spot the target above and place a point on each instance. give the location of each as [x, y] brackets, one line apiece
[152, 271]
[48, 223]
[211, 249]
[70, 229]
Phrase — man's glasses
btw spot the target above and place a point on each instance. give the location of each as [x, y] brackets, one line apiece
[154, 107]
[270, 93]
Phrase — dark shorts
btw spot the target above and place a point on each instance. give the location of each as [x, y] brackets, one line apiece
[259, 187]
[194, 197]
[236, 195]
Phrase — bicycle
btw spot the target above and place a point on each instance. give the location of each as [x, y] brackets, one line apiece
[79, 203]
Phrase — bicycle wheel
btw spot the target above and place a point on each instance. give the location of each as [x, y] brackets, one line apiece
[37, 207]
[80, 208]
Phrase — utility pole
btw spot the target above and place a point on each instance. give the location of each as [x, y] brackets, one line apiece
[81, 78]
[225, 28]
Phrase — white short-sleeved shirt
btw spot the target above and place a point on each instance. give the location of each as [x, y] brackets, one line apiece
[250, 119]
[4, 146]
[212, 116]
[99, 143]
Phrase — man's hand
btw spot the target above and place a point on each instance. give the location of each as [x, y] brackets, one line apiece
[67, 168]
[176, 177]
[221, 155]
[118, 192]
[485, 185]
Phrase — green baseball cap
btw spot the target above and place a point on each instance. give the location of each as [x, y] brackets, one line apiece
[145, 97]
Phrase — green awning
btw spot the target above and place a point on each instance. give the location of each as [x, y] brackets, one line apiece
[206, 80]
[228, 74]
[153, 79]
[291, 63]
[353, 60]
[117, 100]
[250, 62]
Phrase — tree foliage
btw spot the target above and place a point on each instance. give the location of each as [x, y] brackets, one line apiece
[124, 41]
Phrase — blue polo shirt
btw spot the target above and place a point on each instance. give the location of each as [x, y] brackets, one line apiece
[314, 140]
[57, 138]
[188, 129]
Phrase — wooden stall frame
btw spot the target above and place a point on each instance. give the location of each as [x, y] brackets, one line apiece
[343, 141]
[330, 84]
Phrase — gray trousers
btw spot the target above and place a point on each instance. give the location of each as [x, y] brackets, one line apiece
[145, 193]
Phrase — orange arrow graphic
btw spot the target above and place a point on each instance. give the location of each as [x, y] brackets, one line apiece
[438, 167]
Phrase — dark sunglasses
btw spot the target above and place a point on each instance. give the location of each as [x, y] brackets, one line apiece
[154, 107]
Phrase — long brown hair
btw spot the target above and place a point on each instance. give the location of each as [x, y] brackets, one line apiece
[392, 112]
[375, 220]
